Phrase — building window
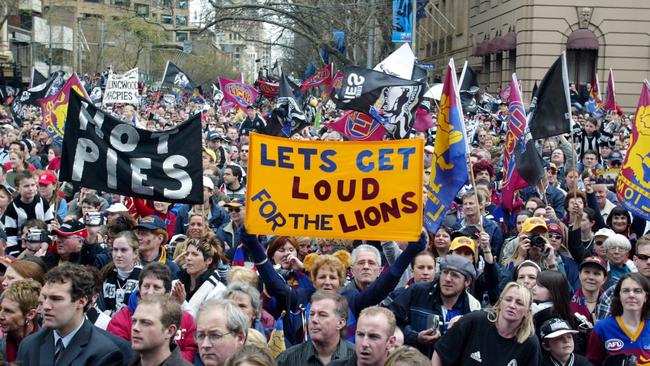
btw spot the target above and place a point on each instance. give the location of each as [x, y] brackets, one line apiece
[166, 4]
[182, 4]
[181, 36]
[166, 19]
[124, 3]
[512, 59]
[142, 10]
[486, 71]
[581, 65]
[498, 68]
[181, 20]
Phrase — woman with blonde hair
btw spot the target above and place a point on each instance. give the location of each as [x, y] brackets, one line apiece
[407, 356]
[502, 335]
[18, 316]
[250, 355]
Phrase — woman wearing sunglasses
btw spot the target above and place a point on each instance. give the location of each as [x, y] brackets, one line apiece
[626, 332]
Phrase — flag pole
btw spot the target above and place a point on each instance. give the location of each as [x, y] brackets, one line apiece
[471, 177]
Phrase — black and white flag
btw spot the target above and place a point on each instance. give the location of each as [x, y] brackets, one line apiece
[387, 98]
[550, 109]
[173, 75]
[104, 153]
[28, 98]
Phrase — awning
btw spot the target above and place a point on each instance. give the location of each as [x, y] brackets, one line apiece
[582, 39]
[507, 42]
[493, 45]
[481, 49]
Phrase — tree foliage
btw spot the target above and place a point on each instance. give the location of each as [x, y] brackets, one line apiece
[304, 27]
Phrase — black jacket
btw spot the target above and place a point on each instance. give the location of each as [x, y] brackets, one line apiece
[90, 346]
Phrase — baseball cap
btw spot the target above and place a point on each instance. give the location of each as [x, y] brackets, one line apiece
[207, 182]
[117, 207]
[470, 231]
[47, 178]
[235, 202]
[555, 228]
[533, 223]
[212, 135]
[594, 261]
[151, 222]
[71, 228]
[615, 156]
[464, 242]
[605, 232]
[555, 327]
[178, 237]
[457, 263]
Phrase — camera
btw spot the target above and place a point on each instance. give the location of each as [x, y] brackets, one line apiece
[537, 241]
[94, 219]
[433, 322]
[37, 235]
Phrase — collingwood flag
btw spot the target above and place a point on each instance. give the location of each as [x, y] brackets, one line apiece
[173, 75]
[387, 98]
[29, 98]
[287, 118]
[469, 87]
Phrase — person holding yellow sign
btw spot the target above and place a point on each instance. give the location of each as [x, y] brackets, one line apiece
[297, 300]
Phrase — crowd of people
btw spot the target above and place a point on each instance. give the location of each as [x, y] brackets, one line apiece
[93, 278]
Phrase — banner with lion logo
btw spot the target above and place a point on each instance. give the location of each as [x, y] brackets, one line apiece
[55, 108]
[633, 185]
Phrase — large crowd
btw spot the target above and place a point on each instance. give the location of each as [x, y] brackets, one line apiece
[93, 278]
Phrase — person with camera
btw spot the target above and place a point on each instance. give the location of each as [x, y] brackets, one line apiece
[35, 239]
[425, 310]
[534, 246]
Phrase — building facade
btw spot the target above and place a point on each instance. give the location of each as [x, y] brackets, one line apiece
[499, 37]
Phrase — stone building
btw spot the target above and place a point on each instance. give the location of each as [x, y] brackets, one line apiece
[500, 37]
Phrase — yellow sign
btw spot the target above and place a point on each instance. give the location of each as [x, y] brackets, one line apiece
[348, 190]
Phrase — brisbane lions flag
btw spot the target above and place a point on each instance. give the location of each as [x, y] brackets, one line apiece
[321, 77]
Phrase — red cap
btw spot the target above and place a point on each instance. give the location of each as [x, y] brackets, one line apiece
[594, 261]
[47, 178]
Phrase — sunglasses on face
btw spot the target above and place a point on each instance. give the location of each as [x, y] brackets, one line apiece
[643, 257]
[555, 236]
[234, 209]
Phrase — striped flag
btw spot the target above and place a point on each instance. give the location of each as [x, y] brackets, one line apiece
[516, 127]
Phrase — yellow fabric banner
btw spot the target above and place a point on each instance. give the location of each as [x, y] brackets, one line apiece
[347, 190]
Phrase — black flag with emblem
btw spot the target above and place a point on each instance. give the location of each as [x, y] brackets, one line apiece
[388, 99]
[173, 75]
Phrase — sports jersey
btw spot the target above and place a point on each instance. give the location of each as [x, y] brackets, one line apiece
[610, 337]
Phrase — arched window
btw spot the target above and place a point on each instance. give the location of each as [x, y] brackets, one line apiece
[582, 53]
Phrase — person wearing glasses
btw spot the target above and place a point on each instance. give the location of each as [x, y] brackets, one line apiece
[626, 332]
[642, 263]
[618, 249]
[221, 330]
[229, 233]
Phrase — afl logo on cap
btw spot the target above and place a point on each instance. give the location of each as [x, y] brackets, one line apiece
[613, 344]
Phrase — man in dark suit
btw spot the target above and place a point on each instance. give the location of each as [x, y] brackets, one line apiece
[67, 337]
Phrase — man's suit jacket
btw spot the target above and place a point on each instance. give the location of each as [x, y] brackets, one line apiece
[90, 346]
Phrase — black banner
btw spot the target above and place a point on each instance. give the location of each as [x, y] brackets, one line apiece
[29, 98]
[387, 98]
[104, 153]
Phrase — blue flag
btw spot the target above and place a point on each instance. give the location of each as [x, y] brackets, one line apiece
[449, 168]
